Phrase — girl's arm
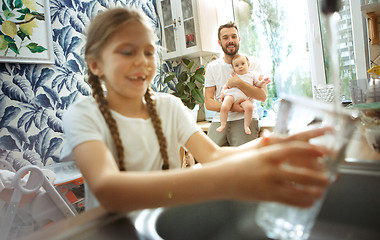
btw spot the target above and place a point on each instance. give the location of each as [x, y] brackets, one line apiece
[204, 149]
[245, 173]
[130, 190]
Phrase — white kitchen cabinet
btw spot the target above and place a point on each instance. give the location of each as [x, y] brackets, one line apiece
[189, 27]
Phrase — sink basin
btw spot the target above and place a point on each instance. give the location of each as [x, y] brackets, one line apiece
[351, 210]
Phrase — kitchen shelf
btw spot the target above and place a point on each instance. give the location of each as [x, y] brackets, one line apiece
[372, 7]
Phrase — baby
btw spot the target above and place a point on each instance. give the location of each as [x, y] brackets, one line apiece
[240, 65]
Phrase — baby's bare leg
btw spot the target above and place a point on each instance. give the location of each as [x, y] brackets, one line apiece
[226, 106]
[248, 110]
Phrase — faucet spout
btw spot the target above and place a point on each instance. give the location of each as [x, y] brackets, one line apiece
[330, 6]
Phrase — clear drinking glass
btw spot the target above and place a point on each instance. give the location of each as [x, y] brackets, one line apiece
[280, 221]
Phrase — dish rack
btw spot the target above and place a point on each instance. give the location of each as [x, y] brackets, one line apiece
[30, 203]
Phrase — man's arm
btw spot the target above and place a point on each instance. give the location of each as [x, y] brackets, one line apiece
[213, 105]
[210, 103]
[251, 91]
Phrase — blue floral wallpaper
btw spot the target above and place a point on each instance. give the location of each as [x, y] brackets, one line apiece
[33, 97]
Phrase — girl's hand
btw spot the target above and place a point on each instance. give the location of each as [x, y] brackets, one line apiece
[269, 174]
[272, 138]
[301, 136]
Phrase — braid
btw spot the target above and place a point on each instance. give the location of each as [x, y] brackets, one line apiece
[97, 93]
[157, 127]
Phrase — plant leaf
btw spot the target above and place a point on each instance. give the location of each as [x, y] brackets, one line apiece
[180, 88]
[190, 105]
[186, 61]
[55, 123]
[199, 78]
[169, 78]
[183, 77]
[198, 95]
[32, 157]
[22, 17]
[18, 4]
[7, 143]
[10, 4]
[54, 144]
[190, 65]
[18, 135]
[19, 89]
[192, 85]
[4, 7]
[24, 10]
[35, 48]
[8, 39]
[10, 113]
[13, 47]
[200, 71]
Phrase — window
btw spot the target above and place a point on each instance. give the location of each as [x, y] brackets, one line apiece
[347, 70]
[289, 37]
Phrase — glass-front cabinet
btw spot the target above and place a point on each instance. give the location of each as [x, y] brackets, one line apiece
[188, 27]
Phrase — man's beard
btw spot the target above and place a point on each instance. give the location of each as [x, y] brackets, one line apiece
[231, 53]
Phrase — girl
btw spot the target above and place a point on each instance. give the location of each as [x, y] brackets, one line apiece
[123, 140]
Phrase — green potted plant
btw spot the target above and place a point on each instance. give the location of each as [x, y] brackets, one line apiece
[189, 84]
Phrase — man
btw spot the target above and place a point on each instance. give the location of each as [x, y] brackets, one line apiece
[217, 74]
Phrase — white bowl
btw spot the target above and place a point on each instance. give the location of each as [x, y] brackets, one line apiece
[373, 137]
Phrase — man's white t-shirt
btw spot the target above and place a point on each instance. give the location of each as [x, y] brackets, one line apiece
[217, 74]
[83, 122]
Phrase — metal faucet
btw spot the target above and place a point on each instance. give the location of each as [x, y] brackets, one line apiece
[330, 6]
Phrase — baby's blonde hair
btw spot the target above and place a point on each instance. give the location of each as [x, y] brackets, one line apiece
[239, 55]
[100, 31]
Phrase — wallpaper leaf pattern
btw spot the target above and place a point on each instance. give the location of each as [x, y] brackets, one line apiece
[34, 97]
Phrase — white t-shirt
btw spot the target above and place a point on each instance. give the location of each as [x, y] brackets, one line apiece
[217, 74]
[83, 122]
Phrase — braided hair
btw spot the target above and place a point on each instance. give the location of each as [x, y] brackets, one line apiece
[100, 31]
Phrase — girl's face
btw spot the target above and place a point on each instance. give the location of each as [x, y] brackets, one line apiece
[240, 65]
[127, 62]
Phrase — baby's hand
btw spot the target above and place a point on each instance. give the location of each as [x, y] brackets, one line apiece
[262, 82]
[222, 96]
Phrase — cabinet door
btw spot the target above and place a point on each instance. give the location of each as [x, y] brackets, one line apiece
[169, 26]
[189, 34]
[182, 25]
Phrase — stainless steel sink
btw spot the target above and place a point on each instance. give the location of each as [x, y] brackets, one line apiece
[351, 211]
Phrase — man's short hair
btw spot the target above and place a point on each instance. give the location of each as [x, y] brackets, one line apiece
[227, 25]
